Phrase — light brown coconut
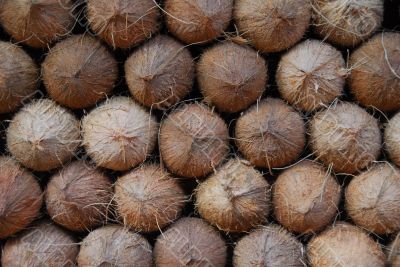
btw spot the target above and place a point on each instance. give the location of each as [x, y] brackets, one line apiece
[148, 198]
[119, 134]
[346, 137]
[197, 21]
[190, 242]
[37, 23]
[270, 134]
[43, 135]
[393, 252]
[123, 23]
[347, 22]
[114, 245]
[270, 246]
[79, 197]
[234, 199]
[311, 75]
[20, 197]
[273, 25]
[193, 141]
[79, 71]
[392, 139]
[306, 197]
[160, 73]
[18, 77]
[345, 245]
[375, 74]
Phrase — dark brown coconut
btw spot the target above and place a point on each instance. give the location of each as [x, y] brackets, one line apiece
[190, 242]
[20, 197]
[114, 245]
[37, 23]
[392, 139]
[43, 136]
[18, 77]
[197, 21]
[346, 137]
[345, 245]
[119, 134]
[193, 141]
[273, 25]
[375, 75]
[231, 77]
[311, 75]
[235, 199]
[148, 198]
[393, 252]
[160, 73]
[270, 246]
[347, 22]
[79, 71]
[78, 197]
[123, 23]
[306, 197]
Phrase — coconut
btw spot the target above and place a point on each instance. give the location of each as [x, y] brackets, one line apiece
[190, 242]
[193, 141]
[160, 73]
[392, 139]
[114, 245]
[43, 136]
[273, 25]
[346, 137]
[123, 23]
[20, 197]
[393, 253]
[119, 134]
[375, 75]
[347, 22]
[311, 75]
[270, 134]
[79, 71]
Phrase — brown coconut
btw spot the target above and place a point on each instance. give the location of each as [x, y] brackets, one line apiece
[37, 23]
[190, 242]
[123, 23]
[347, 22]
[114, 245]
[270, 246]
[18, 77]
[43, 136]
[392, 139]
[311, 75]
[148, 198]
[119, 134]
[78, 197]
[345, 245]
[393, 252]
[20, 197]
[160, 73]
[375, 75]
[234, 199]
[79, 71]
[193, 141]
[273, 25]
[306, 197]
[346, 137]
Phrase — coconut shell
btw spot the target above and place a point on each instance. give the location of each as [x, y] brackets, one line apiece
[43, 136]
[160, 73]
[193, 141]
[393, 253]
[119, 134]
[346, 137]
[231, 77]
[37, 23]
[114, 245]
[392, 139]
[79, 71]
[123, 23]
[190, 242]
[311, 75]
[375, 75]
[270, 134]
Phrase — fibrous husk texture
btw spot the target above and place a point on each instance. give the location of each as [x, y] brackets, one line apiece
[392, 139]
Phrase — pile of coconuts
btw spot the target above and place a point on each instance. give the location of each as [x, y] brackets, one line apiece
[172, 133]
